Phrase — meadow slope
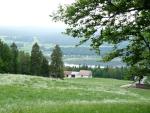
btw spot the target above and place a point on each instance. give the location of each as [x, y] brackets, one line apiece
[31, 94]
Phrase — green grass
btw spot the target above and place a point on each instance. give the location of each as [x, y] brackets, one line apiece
[31, 94]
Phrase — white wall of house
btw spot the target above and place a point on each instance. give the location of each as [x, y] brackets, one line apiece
[78, 76]
[75, 75]
[69, 76]
[85, 77]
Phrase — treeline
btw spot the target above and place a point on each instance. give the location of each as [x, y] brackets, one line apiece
[108, 72]
[18, 62]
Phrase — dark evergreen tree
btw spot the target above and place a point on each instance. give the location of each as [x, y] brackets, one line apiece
[57, 65]
[5, 58]
[1, 58]
[45, 67]
[24, 63]
[36, 58]
[14, 60]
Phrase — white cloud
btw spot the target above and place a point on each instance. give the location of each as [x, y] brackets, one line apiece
[28, 12]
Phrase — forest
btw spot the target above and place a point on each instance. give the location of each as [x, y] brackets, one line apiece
[35, 63]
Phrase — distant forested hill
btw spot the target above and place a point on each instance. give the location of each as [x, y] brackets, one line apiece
[43, 34]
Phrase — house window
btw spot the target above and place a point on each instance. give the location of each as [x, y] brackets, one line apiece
[73, 76]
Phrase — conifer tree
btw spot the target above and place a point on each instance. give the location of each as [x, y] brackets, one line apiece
[57, 65]
[24, 63]
[5, 58]
[44, 67]
[14, 60]
[36, 58]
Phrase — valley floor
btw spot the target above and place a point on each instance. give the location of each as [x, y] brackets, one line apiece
[31, 94]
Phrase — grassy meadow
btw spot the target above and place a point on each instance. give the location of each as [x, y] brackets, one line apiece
[31, 94]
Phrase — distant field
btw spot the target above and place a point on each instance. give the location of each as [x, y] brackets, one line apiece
[31, 94]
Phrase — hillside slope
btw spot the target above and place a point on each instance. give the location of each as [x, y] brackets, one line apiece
[31, 94]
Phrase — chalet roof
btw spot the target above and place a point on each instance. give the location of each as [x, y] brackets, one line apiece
[85, 72]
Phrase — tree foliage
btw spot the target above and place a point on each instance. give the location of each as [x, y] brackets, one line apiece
[18, 62]
[36, 58]
[57, 65]
[113, 22]
[24, 63]
[44, 67]
[5, 58]
[14, 61]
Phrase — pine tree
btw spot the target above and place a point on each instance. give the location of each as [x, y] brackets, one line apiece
[24, 63]
[5, 58]
[44, 67]
[1, 57]
[14, 61]
[57, 65]
[36, 58]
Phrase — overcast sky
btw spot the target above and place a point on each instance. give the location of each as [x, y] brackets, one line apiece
[28, 12]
